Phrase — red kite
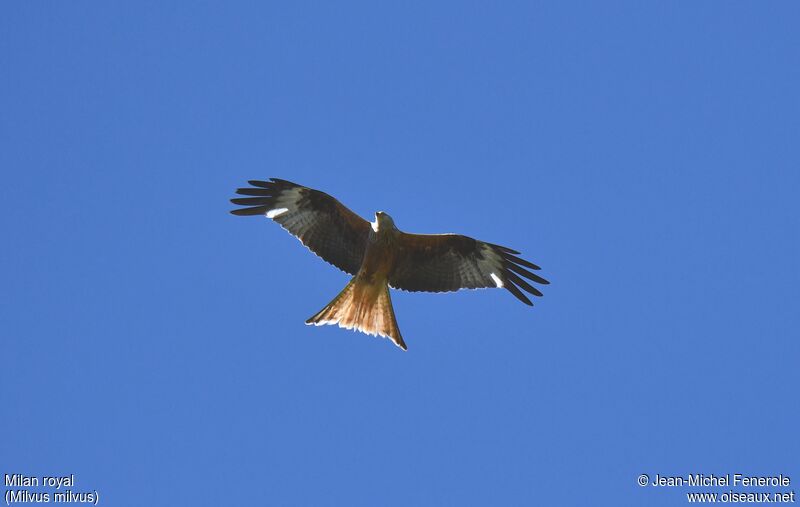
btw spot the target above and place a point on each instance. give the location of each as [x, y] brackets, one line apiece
[381, 256]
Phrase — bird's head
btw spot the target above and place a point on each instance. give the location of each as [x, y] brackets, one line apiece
[382, 222]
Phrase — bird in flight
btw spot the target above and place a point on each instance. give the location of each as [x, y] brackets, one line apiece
[380, 256]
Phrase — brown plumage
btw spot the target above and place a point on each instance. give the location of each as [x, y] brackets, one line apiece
[381, 256]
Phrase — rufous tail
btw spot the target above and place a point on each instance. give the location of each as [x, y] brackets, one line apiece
[365, 307]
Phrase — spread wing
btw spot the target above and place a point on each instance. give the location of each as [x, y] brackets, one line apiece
[319, 221]
[449, 262]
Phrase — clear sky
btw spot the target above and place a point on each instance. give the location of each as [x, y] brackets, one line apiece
[646, 155]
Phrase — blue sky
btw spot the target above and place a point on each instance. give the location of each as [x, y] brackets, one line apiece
[646, 155]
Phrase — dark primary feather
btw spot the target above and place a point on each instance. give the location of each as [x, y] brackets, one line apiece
[449, 262]
[253, 191]
[503, 248]
[524, 272]
[253, 201]
[319, 221]
[521, 262]
[265, 184]
[258, 210]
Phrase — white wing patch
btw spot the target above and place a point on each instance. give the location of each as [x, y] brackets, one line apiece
[285, 201]
[275, 212]
[497, 280]
[491, 263]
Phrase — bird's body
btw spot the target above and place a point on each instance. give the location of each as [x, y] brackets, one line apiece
[365, 304]
[381, 256]
[380, 253]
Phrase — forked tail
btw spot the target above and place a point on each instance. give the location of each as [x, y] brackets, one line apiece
[365, 307]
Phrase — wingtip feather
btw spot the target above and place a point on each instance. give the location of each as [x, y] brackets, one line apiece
[261, 184]
[522, 283]
[513, 289]
[524, 272]
[242, 212]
